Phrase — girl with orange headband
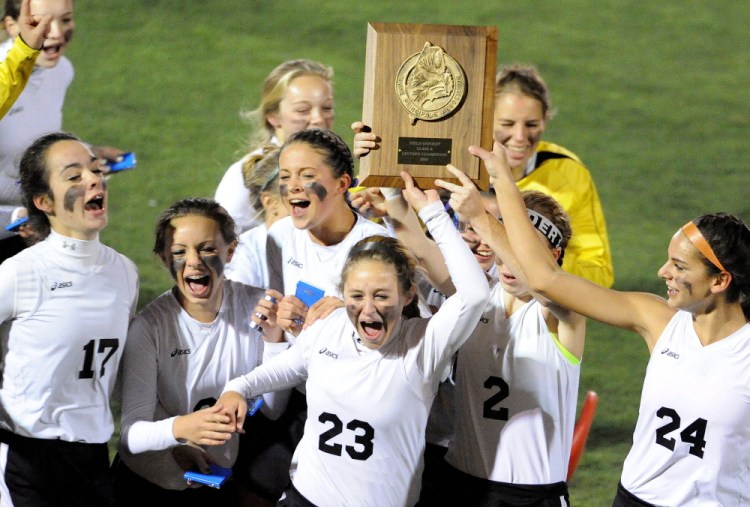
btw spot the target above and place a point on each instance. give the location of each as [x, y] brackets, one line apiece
[692, 438]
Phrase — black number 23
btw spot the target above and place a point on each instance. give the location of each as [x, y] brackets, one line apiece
[363, 440]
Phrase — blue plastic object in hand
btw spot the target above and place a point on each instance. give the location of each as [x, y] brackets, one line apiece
[215, 479]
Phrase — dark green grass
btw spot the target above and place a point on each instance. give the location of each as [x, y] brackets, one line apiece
[652, 96]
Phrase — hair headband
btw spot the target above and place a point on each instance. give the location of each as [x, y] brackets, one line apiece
[546, 227]
[696, 238]
[269, 179]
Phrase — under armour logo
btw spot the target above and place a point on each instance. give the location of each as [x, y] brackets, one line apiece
[71, 246]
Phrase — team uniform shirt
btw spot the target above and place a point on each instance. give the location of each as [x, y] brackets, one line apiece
[249, 261]
[37, 111]
[292, 256]
[691, 444]
[559, 173]
[65, 308]
[175, 365]
[367, 409]
[15, 70]
[516, 394]
[234, 196]
[440, 422]
[435, 299]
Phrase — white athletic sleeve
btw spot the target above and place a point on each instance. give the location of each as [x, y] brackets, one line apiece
[8, 290]
[284, 371]
[139, 431]
[454, 322]
[244, 266]
[274, 404]
[234, 197]
[20, 289]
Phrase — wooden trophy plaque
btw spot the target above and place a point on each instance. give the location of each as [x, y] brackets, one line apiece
[429, 95]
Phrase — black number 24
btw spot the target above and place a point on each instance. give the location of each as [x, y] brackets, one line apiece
[694, 433]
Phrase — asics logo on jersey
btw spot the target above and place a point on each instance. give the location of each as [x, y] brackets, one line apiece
[180, 352]
[295, 263]
[60, 285]
[328, 353]
[670, 353]
[484, 320]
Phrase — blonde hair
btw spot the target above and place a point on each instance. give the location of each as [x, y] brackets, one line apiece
[274, 87]
[260, 173]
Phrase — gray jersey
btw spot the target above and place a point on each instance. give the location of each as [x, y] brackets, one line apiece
[175, 365]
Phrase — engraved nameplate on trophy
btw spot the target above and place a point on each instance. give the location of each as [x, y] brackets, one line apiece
[429, 95]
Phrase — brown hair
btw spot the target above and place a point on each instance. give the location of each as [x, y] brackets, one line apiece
[388, 251]
[191, 206]
[526, 80]
[551, 209]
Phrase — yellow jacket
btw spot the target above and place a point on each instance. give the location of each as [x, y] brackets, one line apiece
[14, 73]
[560, 174]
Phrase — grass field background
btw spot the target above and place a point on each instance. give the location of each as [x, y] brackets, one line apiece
[651, 95]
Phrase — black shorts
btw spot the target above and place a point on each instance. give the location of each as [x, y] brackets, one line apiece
[464, 489]
[46, 472]
[625, 498]
[434, 476]
[293, 498]
[133, 490]
[267, 447]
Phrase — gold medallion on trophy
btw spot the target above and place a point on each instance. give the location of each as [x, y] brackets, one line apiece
[431, 84]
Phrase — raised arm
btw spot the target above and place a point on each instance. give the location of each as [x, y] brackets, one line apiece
[16, 68]
[466, 201]
[643, 313]
[453, 323]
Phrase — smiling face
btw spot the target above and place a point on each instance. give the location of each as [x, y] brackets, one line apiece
[484, 255]
[307, 103]
[60, 32]
[519, 124]
[688, 283]
[307, 186]
[374, 301]
[77, 207]
[196, 256]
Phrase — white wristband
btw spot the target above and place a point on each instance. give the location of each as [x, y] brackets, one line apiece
[16, 213]
[390, 193]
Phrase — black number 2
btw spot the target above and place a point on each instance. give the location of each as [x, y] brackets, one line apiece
[88, 359]
[490, 412]
[364, 439]
[694, 433]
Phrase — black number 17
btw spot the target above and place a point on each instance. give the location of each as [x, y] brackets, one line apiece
[88, 359]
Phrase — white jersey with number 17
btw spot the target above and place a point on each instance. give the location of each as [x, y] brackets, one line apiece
[65, 306]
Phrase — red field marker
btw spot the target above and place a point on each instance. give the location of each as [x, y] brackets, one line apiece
[581, 431]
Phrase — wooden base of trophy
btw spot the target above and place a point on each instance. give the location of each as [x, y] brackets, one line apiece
[429, 95]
